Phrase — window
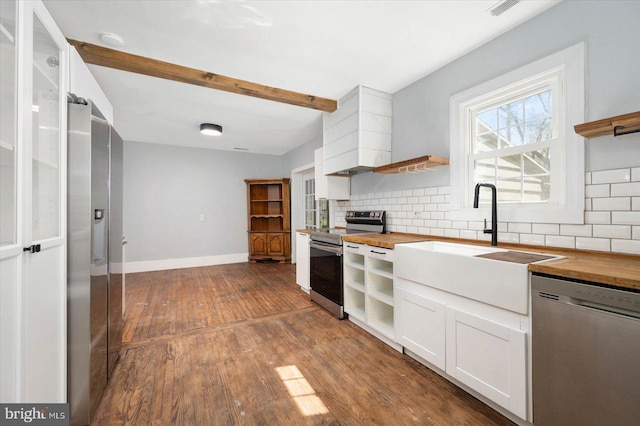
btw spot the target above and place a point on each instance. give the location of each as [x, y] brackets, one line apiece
[516, 132]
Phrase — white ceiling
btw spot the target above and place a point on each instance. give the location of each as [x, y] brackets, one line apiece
[323, 48]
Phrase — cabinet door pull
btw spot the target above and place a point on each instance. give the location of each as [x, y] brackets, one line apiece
[353, 247]
[378, 252]
[35, 248]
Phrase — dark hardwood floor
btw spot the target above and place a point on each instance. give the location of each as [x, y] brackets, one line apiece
[242, 344]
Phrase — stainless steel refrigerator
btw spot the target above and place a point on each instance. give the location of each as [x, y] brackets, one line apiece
[94, 259]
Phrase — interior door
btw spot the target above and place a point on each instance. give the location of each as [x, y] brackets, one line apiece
[32, 253]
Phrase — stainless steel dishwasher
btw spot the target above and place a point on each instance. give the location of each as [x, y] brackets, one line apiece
[586, 353]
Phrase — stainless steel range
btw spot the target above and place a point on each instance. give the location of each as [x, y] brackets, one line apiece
[326, 257]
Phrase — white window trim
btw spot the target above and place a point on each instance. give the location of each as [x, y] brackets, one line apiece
[570, 207]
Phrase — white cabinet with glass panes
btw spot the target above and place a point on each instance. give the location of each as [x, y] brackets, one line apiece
[32, 213]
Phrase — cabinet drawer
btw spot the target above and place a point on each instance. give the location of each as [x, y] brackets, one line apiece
[380, 253]
[354, 248]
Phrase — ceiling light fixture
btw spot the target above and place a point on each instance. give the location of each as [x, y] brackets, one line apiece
[210, 129]
[112, 40]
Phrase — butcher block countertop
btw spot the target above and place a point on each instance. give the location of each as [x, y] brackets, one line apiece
[618, 270]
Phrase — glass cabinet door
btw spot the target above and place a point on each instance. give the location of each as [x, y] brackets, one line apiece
[8, 125]
[45, 144]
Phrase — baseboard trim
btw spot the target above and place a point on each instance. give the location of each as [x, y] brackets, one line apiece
[188, 262]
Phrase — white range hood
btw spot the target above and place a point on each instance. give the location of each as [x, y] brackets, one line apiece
[357, 137]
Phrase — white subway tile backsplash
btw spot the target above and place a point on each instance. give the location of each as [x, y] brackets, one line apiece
[438, 232]
[626, 246]
[612, 231]
[617, 203]
[597, 217]
[444, 207]
[593, 191]
[611, 176]
[576, 230]
[625, 189]
[599, 244]
[424, 230]
[533, 239]
[452, 233]
[508, 237]
[444, 224]
[560, 241]
[431, 191]
[521, 228]
[469, 235]
[625, 218]
[588, 205]
[477, 226]
[546, 228]
[459, 224]
[612, 213]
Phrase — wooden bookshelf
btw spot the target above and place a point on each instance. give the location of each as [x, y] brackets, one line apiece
[269, 219]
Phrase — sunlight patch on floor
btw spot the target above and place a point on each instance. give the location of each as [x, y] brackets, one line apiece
[301, 391]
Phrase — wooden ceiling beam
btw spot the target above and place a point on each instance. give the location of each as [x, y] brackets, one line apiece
[98, 55]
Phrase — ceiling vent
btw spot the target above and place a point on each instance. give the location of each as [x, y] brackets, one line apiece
[501, 7]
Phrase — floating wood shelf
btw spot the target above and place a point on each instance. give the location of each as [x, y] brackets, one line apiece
[619, 125]
[419, 164]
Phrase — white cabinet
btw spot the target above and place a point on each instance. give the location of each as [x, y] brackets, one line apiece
[480, 346]
[420, 326]
[369, 290]
[329, 187]
[302, 260]
[489, 357]
[357, 136]
[33, 147]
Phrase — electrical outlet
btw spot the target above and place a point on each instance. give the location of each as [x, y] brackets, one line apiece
[202, 217]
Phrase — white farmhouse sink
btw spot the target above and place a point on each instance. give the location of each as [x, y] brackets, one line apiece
[455, 268]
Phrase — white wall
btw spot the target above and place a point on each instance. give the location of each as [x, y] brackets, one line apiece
[610, 31]
[167, 188]
[421, 126]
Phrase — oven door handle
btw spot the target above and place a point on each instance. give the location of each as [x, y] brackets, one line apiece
[337, 250]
